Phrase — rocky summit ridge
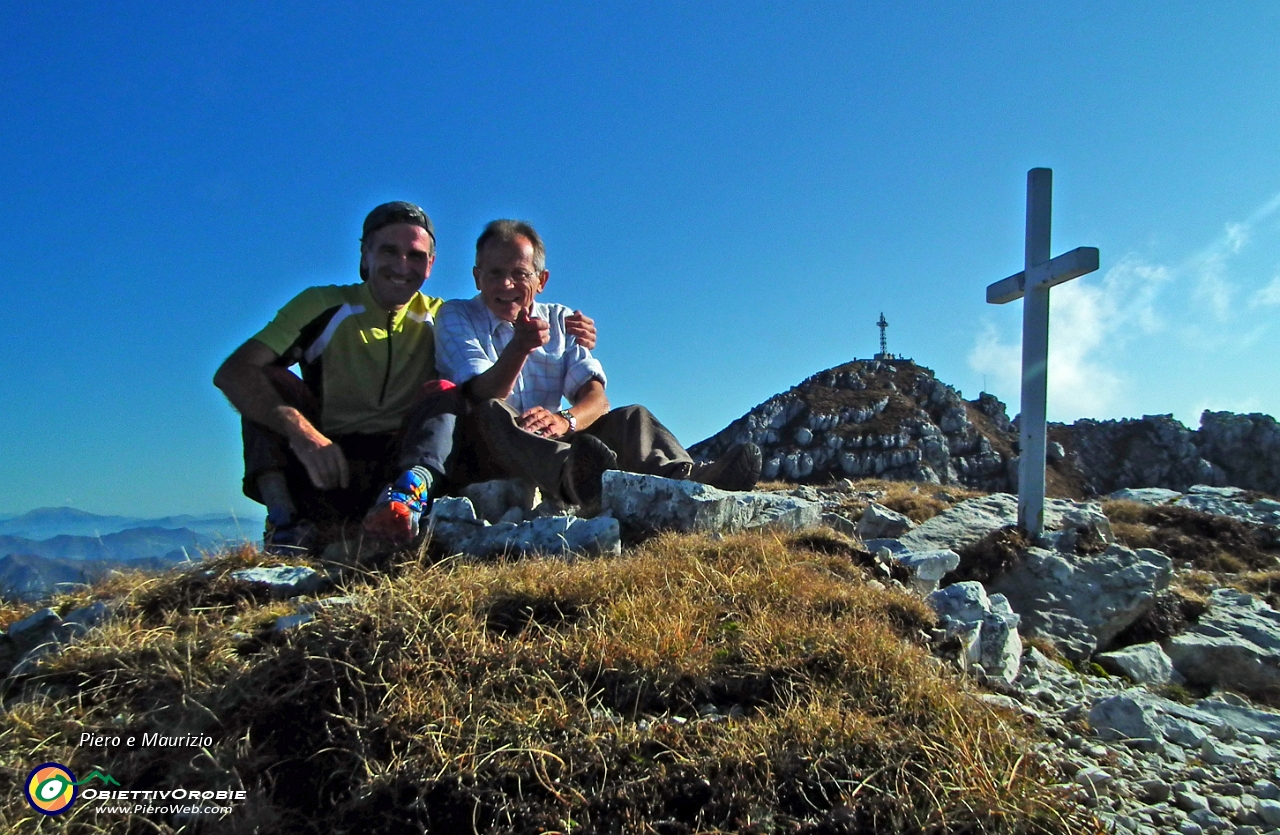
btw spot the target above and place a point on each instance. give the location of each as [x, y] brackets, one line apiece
[895, 420]
[889, 419]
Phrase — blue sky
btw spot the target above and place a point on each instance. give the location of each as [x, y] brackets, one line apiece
[734, 192]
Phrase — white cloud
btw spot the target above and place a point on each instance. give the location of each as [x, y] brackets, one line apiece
[1213, 286]
[1087, 322]
[1091, 319]
[1236, 236]
[1267, 296]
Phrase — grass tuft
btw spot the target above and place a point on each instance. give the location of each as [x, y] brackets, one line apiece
[694, 684]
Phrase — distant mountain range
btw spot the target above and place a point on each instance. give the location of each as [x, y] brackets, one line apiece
[47, 522]
[56, 545]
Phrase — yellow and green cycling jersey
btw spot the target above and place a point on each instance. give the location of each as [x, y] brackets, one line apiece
[365, 364]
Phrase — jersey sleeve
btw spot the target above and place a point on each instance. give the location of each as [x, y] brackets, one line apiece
[283, 332]
[433, 306]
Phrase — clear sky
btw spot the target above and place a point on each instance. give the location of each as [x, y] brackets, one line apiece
[735, 191]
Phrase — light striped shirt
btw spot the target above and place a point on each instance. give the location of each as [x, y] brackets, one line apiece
[469, 339]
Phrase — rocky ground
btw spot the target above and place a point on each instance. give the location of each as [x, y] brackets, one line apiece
[1151, 673]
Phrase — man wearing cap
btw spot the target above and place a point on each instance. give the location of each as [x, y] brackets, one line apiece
[346, 437]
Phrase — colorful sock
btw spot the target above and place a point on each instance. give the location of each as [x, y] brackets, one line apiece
[402, 504]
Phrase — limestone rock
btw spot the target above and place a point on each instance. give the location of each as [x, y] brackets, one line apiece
[34, 626]
[651, 503]
[879, 522]
[1146, 495]
[1264, 724]
[494, 500]
[1143, 663]
[454, 524]
[452, 509]
[928, 567]
[1152, 451]
[1124, 717]
[1236, 644]
[1058, 595]
[80, 621]
[283, 581]
[988, 629]
[1246, 448]
[1229, 501]
[970, 521]
[843, 524]
[306, 613]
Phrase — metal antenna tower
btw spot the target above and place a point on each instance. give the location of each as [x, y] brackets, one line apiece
[883, 325]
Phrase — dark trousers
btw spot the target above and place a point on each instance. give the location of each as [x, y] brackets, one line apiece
[374, 460]
[487, 442]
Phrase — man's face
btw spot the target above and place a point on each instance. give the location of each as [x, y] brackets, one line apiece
[505, 277]
[397, 260]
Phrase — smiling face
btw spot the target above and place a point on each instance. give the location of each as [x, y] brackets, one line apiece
[396, 259]
[506, 278]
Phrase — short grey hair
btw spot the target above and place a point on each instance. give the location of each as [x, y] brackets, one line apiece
[506, 231]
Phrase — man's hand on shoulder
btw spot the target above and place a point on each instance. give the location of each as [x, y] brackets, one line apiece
[325, 462]
[531, 333]
[581, 327]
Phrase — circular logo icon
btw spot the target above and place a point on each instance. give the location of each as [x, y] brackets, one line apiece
[50, 788]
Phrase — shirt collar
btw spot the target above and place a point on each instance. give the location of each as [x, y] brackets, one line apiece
[494, 324]
[417, 304]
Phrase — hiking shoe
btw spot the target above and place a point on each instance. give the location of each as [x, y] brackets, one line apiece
[588, 458]
[295, 539]
[396, 513]
[737, 469]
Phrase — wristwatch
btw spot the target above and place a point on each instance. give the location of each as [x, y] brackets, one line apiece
[568, 415]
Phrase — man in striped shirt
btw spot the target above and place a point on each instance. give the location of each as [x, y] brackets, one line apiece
[515, 359]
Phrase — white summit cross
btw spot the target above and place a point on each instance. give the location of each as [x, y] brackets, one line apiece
[1032, 286]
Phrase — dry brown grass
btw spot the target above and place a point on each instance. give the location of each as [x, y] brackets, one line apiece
[539, 696]
[1220, 545]
[918, 501]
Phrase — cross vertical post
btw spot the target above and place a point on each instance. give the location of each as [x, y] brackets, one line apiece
[1035, 355]
[1032, 286]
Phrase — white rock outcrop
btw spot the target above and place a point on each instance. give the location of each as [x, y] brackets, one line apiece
[1236, 644]
[650, 503]
[1082, 601]
[453, 522]
[986, 627]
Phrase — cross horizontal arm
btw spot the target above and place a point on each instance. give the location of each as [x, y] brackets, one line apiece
[1065, 267]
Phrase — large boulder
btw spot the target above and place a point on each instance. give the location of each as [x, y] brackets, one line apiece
[1082, 599]
[1235, 644]
[645, 503]
[970, 521]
